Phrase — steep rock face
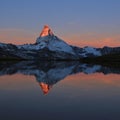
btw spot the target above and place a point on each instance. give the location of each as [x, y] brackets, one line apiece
[46, 31]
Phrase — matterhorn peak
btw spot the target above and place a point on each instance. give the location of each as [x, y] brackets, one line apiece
[46, 31]
[51, 42]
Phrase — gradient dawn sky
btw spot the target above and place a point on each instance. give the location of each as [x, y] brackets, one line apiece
[78, 22]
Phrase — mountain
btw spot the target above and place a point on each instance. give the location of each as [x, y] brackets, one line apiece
[50, 47]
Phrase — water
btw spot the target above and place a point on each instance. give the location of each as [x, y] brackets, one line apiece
[58, 91]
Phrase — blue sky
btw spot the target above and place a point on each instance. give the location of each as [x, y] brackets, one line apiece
[66, 17]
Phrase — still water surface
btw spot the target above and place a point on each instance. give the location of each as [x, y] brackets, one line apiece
[59, 91]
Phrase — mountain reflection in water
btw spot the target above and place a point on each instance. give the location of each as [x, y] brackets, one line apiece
[49, 73]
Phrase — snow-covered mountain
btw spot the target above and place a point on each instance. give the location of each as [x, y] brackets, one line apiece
[50, 47]
[87, 51]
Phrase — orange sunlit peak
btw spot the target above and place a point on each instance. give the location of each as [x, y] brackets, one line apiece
[46, 31]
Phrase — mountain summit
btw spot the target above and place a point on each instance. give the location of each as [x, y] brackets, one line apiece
[46, 31]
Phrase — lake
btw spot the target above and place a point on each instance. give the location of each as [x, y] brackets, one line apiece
[58, 91]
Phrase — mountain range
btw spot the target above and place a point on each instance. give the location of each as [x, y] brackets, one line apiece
[50, 47]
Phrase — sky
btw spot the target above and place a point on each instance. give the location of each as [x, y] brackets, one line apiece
[78, 22]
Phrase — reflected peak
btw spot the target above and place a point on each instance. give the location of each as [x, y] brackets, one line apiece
[45, 87]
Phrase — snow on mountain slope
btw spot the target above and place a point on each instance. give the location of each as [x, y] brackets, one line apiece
[92, 50]
[29, 47]
[87, 51]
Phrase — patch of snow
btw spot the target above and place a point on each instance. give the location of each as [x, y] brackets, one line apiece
[92, 50]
